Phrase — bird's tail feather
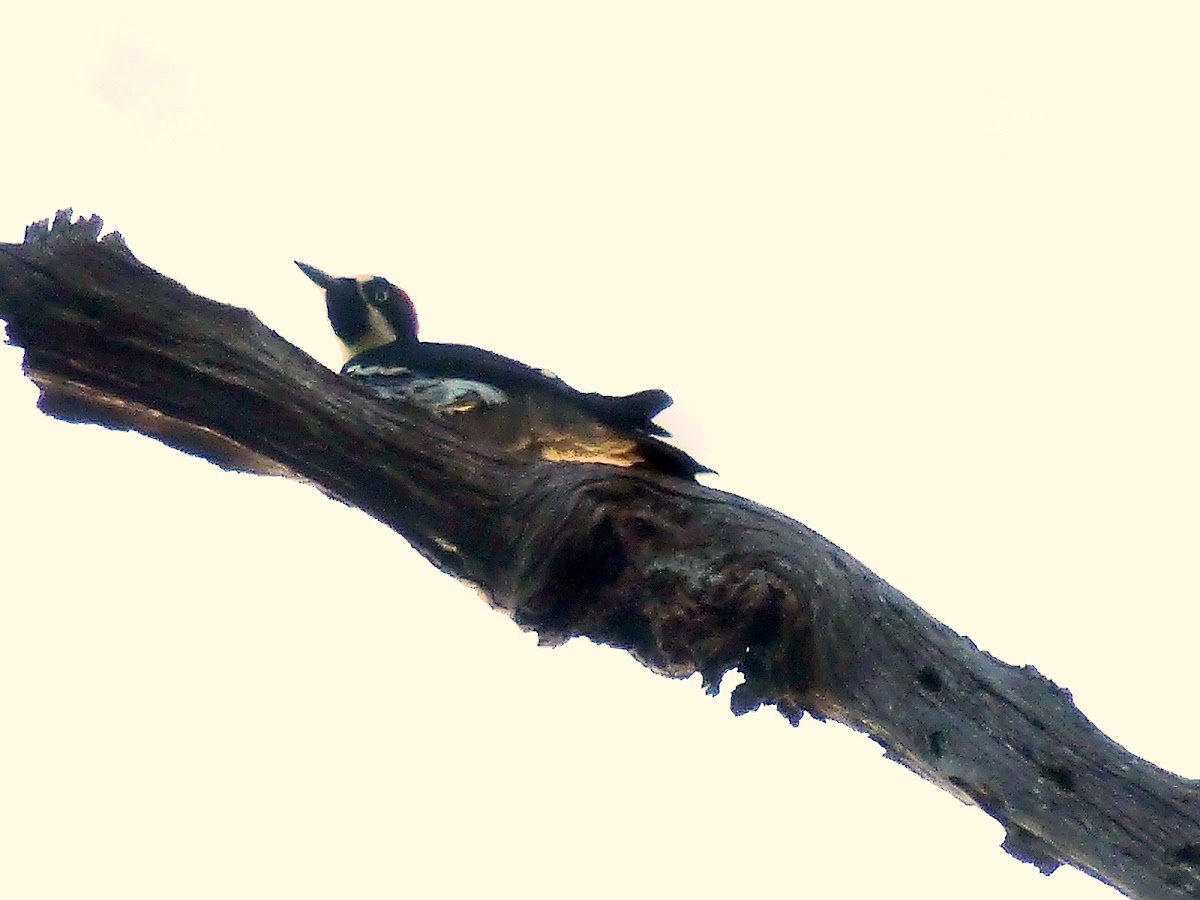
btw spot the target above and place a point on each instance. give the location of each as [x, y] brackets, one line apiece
[638, 410]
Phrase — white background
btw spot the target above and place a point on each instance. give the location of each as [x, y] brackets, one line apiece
[921, 275]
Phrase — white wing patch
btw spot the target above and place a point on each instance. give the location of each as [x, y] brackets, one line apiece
[445, 396]
[454, 395]
[366, 371]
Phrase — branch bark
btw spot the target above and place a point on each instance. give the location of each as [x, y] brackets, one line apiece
[684, 577]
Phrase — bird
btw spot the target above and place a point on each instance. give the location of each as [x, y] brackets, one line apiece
[524, 410]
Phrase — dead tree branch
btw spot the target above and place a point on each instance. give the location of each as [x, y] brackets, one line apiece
[686, 578]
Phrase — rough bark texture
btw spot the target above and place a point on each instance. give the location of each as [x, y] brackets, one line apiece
[686, 578]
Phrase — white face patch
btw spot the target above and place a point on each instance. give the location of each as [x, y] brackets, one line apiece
[379, 333]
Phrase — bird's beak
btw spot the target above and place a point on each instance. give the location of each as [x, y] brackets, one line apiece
[320, 278]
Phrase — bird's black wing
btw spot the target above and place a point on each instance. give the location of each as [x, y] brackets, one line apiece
[634, 411]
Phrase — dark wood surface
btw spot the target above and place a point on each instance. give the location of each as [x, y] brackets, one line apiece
[684, 577]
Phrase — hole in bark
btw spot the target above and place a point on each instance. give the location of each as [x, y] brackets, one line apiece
[929, 679]
[1189, 854]
[937, 742]
[1060, 777]
[762, 627]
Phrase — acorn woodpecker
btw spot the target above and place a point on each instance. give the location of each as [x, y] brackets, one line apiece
[521, 409]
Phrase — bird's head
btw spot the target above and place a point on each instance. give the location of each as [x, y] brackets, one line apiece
[366, 311]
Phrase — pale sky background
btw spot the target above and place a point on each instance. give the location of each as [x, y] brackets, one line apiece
[921, 275]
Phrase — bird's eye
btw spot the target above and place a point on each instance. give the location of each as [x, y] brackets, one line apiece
[381, 297]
